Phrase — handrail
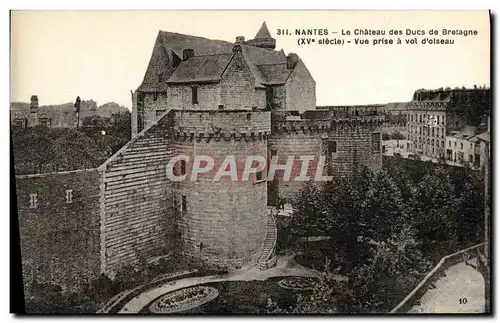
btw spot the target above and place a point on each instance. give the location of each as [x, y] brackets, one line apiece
[430, 274]
[276, 238]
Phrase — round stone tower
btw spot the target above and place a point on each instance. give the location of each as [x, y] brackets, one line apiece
[222, 219]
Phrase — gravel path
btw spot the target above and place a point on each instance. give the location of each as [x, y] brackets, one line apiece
[460, 291]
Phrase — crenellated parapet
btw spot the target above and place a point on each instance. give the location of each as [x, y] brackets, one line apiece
[357, 123]
[322, 121]
[224, 125]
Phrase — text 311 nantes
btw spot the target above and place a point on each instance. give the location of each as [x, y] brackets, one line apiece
[377, 32]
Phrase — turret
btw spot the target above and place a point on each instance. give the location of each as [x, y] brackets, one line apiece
[33, 118]
[263, 38]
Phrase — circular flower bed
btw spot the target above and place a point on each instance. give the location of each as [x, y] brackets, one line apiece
[297, 283]
[184, 299]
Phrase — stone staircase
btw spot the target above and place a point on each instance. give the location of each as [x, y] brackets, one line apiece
[268, 256]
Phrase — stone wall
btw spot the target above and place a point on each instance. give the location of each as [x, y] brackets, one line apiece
[180, 96]
[300, 89]
[310, 134]
[355, 145]
[59, 229]
[154, 108]
[238, 86]
[287, 140]
[137, 214]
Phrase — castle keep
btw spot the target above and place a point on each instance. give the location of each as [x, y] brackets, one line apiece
[207, 97]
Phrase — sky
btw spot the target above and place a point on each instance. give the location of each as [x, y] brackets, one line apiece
[103, 55]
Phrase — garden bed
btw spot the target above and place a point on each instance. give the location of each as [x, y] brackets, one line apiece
[243, 297]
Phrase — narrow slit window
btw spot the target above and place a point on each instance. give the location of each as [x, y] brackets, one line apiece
[194, 95]
[33, 201]
[332, 147]
[259, 176]
[69, 196]
[376, 142]
[183, 204]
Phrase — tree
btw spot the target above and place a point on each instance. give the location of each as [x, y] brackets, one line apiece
[396, 268]
[383, 210]
[433, 207]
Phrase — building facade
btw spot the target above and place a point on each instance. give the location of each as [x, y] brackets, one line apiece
[439, 118]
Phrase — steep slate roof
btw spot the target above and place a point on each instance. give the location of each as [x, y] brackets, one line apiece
[168, 43]
[206, 68]
[274, 74]
[201, 46]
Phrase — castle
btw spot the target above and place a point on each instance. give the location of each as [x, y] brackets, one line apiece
[198, 96]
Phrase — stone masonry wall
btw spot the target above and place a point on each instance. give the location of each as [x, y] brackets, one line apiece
[154, 108]
[60, 234]
[354, 141]
[180, 96]
[138, 218]
[300, 89]
[295, 143]
[355, 145]
[238, 86]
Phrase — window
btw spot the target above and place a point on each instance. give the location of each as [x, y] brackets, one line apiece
[449, 143]
[21, 123]
[412, 117]
[183, 204]
[332, 147]
[442, 132]
[69, 196]
[160, 77]
[45, 122]
[437, 119]
[442, 143]
[471, 159]
[376, 142]
[33, 201]
[432, 142]
[461, 145]
[433, 132]
[419, 130]
[194, 95]
[155, 96]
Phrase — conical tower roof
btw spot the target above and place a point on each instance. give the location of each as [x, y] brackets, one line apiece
[263, 38]
[263, 32]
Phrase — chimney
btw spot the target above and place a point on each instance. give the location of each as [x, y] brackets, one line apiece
[291, 61]
[236, 48]
[240, 39]
[34, 104]
[187, 53]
